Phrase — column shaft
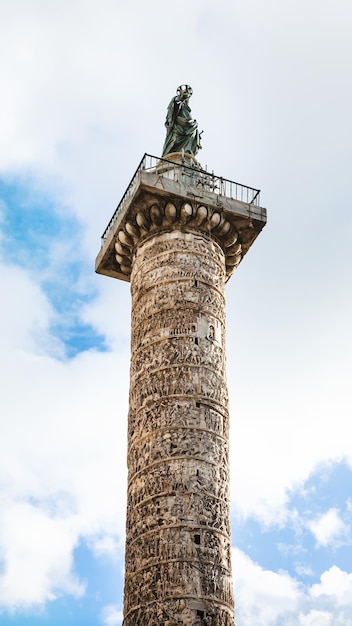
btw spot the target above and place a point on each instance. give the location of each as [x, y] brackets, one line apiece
[178, 563]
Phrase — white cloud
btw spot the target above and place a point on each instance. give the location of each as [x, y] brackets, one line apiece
[303, 570]
[327, 528]
[106, 545]
[111, 615]
[275, 598]
[62, 466]
[25, 315]
[262, 595]
[36, 556]
[315, 618]
[336, 584]
[273, 427]
[110, 313]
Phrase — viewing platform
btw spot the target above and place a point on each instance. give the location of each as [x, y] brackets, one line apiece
[229, 210]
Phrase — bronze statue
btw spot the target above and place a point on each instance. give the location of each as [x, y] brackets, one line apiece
[182, 133]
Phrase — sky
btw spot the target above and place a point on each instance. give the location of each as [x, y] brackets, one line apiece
[84, 91]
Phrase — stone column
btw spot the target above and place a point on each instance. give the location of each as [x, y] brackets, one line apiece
[177, 235]
[178, 564]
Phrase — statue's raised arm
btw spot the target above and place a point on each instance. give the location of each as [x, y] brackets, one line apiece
[182, 133]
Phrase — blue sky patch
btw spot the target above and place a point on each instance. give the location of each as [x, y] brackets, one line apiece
[294, 547]
[39, 235]
[104, 582]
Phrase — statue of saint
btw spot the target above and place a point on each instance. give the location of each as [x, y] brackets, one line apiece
[181, 131]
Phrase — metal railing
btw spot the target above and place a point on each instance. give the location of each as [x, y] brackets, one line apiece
[193, 176]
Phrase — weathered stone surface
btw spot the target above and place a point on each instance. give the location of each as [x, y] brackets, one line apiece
[177, 236]
[178, 565]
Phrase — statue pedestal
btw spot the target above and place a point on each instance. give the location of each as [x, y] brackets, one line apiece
[183, 159]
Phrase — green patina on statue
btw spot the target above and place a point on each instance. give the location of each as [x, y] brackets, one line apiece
[182, 133]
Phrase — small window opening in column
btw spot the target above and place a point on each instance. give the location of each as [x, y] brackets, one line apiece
[196, 340]
[196, 283]
[197, 540]
[200, 614]
[211, 332]
[198, 405]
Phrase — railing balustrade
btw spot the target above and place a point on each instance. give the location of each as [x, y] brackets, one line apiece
[194, 176]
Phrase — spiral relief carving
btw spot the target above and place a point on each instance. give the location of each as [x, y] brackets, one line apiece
[178, 555]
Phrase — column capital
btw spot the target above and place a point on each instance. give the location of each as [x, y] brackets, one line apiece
[174, 196]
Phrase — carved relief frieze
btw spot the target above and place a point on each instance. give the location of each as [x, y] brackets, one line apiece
[170, 413]
[203, 504]
[179, 381]
[192, 293]
[177, 529]
[208, 266]
[185, 270]
[171, 612]
[170, 580]
[178, 442]
[191, 242]
[180, 348]
[209, 548]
